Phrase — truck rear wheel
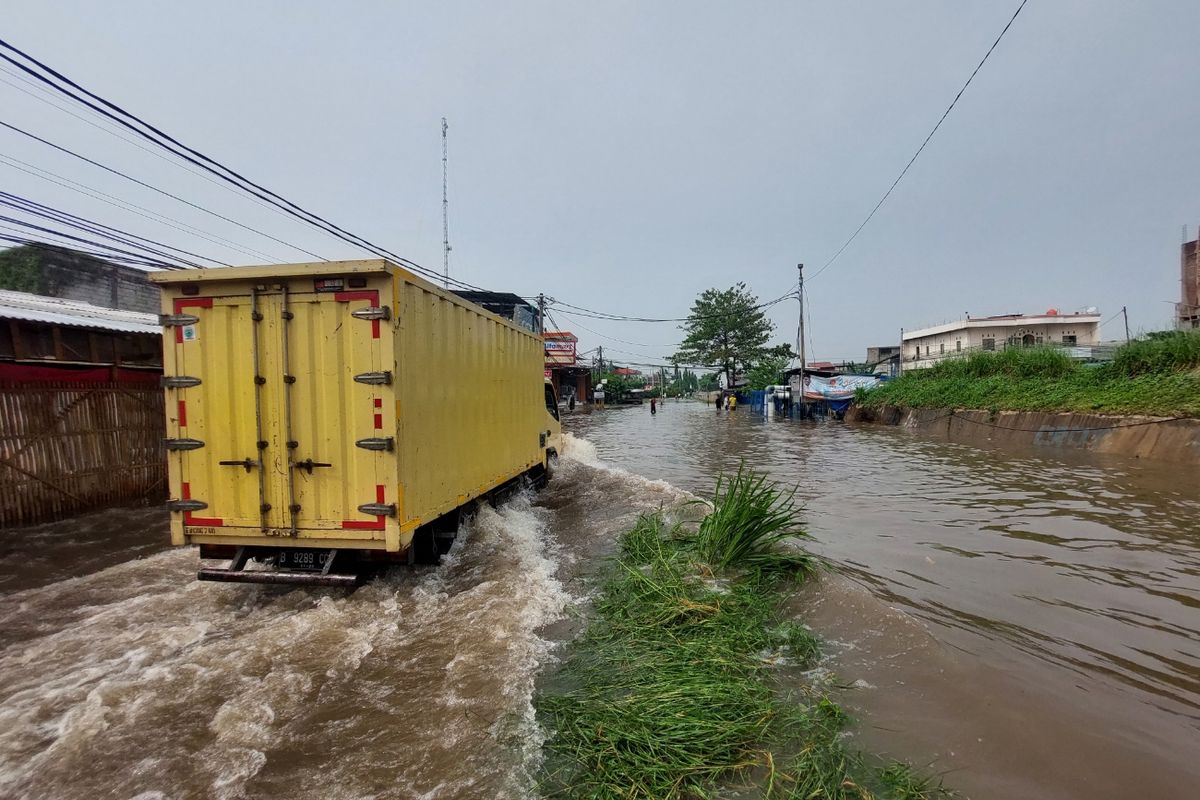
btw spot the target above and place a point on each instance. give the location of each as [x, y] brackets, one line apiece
[424, 546]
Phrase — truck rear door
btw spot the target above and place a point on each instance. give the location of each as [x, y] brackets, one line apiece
[293, 410]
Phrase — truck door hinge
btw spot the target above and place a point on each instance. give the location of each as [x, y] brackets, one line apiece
[177, 320]
[183, 444]
[186, 505]
[374, 312]
[378, 509]
[178, 381]
[385, 443]
[245, 463]
[374, 378]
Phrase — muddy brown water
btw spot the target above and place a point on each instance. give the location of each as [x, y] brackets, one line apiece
[1027, 622]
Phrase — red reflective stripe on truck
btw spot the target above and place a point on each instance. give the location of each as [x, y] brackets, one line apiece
[182, 413]
[379, 422]
[188, 519]
[184, 302]
[370, 295]
[359, 525]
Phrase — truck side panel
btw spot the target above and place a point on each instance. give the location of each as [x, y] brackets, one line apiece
[469, 404]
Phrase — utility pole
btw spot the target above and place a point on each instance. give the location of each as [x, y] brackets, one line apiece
[445, 214]
[600, 351]
[800, 330]
[542, 314]
[1125, 314]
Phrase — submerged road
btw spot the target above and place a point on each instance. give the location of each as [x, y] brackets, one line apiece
[1025, 621]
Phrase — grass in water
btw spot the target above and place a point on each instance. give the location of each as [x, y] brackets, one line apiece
[670, 692]
[749, 520]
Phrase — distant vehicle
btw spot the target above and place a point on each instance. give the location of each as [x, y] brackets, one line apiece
[313, 433]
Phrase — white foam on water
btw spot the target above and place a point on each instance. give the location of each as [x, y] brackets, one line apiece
[138, 681]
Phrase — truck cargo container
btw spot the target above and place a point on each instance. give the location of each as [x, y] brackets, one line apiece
[327, 418]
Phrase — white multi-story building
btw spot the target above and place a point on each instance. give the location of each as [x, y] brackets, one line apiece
[927, 346]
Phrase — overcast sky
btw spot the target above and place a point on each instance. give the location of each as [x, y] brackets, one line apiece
[624, 156]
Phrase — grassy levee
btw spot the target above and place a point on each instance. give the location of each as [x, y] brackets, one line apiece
[1158, 376]
[672, 690]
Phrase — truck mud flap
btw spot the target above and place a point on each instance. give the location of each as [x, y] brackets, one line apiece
[236, 572]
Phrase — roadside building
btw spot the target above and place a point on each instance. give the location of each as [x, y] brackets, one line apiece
[1079, 330]
[884, 360]
[1187, 311]
[59, 272]
[562, 367]
[81, 411]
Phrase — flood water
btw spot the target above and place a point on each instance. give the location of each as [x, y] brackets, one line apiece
[1024, 621]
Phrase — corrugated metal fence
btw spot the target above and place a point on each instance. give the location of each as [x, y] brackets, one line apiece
[66, 447]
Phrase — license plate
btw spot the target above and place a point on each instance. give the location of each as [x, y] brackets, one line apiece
[302, 559]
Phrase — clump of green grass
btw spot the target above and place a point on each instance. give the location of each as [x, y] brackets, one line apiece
[751, 516]
[1157, 375]
[665, 694]
[1166, 351]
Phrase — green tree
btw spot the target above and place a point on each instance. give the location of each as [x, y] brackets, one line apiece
[21, 269]
[771, 369]
[725, 328]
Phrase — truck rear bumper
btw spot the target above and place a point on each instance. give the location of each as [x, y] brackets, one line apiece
[272, 569]
[277, 577]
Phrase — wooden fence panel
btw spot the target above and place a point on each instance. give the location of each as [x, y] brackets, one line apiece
[67, 447]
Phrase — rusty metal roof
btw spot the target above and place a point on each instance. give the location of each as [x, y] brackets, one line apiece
[57, 311]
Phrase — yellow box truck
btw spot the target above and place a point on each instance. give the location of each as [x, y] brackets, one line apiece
[324, 419]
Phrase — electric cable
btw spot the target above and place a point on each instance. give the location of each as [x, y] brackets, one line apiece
[169, 143]
[22, 238]
[133, 208]
[163, 192]
[593, 314]
[127, 140]
[91, 226]
[61, 235]
[920, 149]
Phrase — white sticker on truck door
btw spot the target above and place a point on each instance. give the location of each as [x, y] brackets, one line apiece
[190, 334]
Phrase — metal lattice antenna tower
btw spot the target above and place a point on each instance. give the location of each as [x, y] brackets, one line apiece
[445, 214]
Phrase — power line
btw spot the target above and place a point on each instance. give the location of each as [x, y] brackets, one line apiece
[169, 143]
[163, 192]
[579, 324]
[133, 208]
[23, 238]
[593, 314]
[73, 220]
[904, 171]
[106, 129]
[71, 237]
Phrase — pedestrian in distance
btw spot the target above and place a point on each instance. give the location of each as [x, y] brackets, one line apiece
[653, 406]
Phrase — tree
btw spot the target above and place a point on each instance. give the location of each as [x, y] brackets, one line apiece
[770, 370]
[725, 328]
[21, 269]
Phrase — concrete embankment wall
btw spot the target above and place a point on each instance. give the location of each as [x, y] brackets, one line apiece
[1156, 438]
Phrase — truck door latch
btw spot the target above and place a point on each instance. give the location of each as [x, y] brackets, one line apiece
[246, 463]
[308, 464]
